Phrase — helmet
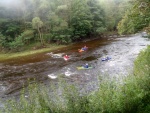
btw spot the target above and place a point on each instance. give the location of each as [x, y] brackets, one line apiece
[86, 64]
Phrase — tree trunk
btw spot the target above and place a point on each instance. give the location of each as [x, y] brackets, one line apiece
[40, 36]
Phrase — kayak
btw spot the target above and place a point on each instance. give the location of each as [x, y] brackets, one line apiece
[80, 50]
[83, 49]
[66, 58]
[81, 67]
[106, 59]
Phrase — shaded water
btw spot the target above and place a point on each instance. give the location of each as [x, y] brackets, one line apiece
[47, 67]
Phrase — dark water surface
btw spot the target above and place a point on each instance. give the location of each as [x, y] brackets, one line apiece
[47, 67]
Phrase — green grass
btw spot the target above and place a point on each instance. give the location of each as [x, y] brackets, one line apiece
[29, 51]
[130, 95]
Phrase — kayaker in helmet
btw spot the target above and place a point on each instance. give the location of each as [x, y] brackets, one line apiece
[66, 56]
[85, 48]
[86, 65]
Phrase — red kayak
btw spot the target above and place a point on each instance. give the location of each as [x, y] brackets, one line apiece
[66, 57]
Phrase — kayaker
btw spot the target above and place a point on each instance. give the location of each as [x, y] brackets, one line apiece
[86, 65]
[85, 48]
[66, 56]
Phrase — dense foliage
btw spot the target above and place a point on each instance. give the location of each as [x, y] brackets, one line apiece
[136, 18]
[63, 21]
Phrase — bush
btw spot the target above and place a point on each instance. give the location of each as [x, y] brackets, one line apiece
[17, 44]
[62, 36]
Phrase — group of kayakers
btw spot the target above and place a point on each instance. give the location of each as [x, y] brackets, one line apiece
[66, 57]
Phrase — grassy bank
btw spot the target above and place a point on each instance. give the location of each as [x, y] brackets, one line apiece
[29, 51]
[132, 95]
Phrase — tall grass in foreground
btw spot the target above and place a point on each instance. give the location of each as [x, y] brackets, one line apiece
[132, 95]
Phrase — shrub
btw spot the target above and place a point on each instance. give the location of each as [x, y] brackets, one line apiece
[17, 44]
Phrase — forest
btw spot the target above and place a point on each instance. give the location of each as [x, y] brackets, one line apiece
[46, 21]
[26, 22]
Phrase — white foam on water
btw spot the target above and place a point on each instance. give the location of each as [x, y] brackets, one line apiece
[59, 55]
[68, 73]
[87, 74]
[52, 76]
[102, 71]
[111, 63]
[106, 69]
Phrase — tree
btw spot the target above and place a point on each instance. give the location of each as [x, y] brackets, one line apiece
[98, 17]
[113, 11]
[37, 24]
[80, 19]
[136, 18]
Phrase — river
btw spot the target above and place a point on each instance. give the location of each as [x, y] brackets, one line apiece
[48, 67]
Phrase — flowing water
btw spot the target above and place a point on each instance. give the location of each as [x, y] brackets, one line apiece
[48, 67]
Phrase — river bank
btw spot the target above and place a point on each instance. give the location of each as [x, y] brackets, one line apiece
[7, 56]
